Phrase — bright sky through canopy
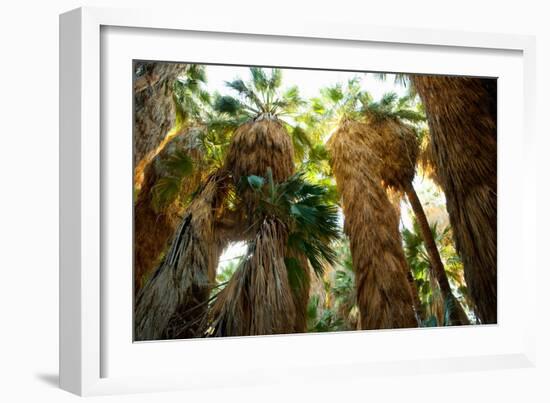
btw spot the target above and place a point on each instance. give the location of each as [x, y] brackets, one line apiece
[308, 81]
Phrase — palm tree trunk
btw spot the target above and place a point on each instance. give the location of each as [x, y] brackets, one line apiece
[173, 302]
[457, 314]
[384, 295]
[155, 112]
[153, 227]
[152, 231]
[258, 299]
[300, 292]
[462, 118]
[418, 307]
[257, 146]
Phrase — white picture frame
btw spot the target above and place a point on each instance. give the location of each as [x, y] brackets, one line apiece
[92, 336]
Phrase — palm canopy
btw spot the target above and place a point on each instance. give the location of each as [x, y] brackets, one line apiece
[312, 222]
[401, 79]
[391, 106]
[261, 95]
[333, 103]
[190, 95]
[293, 225]
[343, 101]
[350, 101]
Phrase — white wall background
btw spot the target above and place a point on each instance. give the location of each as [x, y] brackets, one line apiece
[29, 198]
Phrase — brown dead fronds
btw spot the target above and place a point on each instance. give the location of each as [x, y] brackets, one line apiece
[156, 215]
[179, 288]
[259, 145]
[258, 299]
[384, 295]
[461, 114]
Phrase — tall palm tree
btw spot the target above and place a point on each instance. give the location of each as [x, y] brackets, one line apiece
[183, 197]
[398, 147]
[456, 313]
[461, 113]
[171, 172]
[174, 301]
[267, 142]
[159, 203]
[169, 304]
[293, 226]
[384, 294]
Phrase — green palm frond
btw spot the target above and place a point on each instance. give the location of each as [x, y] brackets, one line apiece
[190, 97]
[388, 100]
[259, 79]
[312, 223]
[390, 106]
[262, 95]
[296, 274]
[252, 100]
[179, 164]
[334, 93]
[227, 104]
[300, 141]
[197, 73]
[401, 79]
[166, 189]
[276, 79]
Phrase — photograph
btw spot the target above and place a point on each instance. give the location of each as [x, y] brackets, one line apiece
[270, 200]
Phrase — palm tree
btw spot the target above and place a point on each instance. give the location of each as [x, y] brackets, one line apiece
[173, 303]
[333, 307]
[461, 113]
[462, 117]
[177, 294]
[159, 203]
[384, 295]
[398, 147]
[166, 178]
[267, 142]
[293, 227]
[456, 314]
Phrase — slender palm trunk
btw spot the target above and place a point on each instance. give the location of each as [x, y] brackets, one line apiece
[457, 314]
[418, 307]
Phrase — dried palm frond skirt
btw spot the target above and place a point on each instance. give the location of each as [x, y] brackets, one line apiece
[154, 225]
[462, 118]
[258, 299]
[179, 289]
[384, 295]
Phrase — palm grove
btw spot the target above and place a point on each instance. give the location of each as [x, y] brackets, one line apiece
[278, 172]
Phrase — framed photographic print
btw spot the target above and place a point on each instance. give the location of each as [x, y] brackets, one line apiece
[255, 194]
